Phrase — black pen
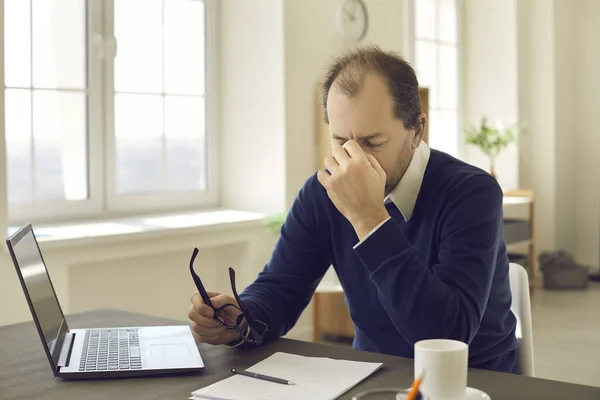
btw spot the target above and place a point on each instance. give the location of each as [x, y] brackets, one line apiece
[263, 377]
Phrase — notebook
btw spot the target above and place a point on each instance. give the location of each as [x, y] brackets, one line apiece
[315, 378]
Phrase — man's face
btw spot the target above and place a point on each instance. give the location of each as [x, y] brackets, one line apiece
[368, 118]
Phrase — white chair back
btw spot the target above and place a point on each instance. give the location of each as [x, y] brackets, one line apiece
[521, 307]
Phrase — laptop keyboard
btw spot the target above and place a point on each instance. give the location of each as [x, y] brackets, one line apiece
[114, 349]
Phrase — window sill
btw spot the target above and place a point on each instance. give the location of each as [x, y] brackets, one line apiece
[152, 227]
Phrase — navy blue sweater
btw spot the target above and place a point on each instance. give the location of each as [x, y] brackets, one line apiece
[442, 274]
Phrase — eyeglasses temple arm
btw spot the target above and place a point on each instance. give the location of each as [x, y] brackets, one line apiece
[249, 319]
[235, 293]
[198, 282]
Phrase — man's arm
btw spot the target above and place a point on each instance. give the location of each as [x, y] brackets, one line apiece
[447, 301]
[300, 259]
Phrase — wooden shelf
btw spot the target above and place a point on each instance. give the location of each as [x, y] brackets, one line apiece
[524, 197]
[516, 246]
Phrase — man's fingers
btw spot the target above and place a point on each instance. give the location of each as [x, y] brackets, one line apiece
[323, 178]
[205, 328]
[215, 337]
[353, 149]
[204, 331]
[204, 335]
[205, 325]
[339, 153]
[375, 164]
[200, 307]
[201, 319]
[331, 164]
[221, 300]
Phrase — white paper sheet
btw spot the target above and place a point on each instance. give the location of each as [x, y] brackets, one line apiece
[315, 378]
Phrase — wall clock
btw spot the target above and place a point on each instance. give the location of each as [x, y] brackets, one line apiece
[353, 19]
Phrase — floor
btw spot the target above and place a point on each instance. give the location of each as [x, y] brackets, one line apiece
[566, 334]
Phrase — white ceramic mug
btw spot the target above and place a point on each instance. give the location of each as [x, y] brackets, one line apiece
[445, 364]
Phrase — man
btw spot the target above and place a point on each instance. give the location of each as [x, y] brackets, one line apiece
[414, 235]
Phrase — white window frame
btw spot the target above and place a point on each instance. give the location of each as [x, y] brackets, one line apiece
[104, 201]
[165, 201]
[410, 46]
[61, 210]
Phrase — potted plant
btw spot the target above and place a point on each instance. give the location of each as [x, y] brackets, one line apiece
[274, 222]
[491, 141]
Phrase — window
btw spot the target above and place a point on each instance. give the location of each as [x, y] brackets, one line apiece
[46, 100]
[436, 60]
[107, 107]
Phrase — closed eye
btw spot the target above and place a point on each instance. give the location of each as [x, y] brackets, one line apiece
[375, 145]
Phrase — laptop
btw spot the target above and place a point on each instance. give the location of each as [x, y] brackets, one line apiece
[96, 353]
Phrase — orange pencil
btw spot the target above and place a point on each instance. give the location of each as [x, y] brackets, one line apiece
[414, 389]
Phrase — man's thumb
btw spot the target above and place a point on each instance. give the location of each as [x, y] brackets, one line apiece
[220, 300]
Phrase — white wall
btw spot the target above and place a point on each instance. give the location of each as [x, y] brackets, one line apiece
[252, 105]
[559, 95]
[149, 275]
[566, 124]
[3, 194]
[14, 308]
[586, 141]
[537, 162]
[489, 37]
[310, 42]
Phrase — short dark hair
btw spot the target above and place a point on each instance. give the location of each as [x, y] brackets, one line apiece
[347, 73]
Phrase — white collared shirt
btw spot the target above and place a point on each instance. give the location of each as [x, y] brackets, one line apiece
[404, 194]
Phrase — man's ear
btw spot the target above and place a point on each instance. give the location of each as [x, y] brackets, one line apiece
[419, 131]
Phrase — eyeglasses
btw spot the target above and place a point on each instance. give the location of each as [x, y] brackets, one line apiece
[251, 330]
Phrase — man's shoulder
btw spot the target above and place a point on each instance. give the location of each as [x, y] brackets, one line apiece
[313, 195]
[456, 178]
[312, 188]
[312, 206]
[446, 165]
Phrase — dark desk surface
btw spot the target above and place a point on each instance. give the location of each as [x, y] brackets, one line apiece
[25, 373]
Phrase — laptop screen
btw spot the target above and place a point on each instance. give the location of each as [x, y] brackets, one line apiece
[43, 302]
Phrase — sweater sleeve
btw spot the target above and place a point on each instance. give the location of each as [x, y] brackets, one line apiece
[299, 261]
[448, 300]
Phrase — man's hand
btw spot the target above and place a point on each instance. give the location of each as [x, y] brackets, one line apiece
[356, 186]
[205, 328]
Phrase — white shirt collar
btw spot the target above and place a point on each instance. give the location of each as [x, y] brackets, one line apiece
[404, 194]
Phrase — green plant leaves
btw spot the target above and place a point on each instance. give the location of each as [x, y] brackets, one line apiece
[491, 141]
[275, 222]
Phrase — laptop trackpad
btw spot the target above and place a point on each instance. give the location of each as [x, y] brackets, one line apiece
[175, 350]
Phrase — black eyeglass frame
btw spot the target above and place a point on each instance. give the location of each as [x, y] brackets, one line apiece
[257, 329]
